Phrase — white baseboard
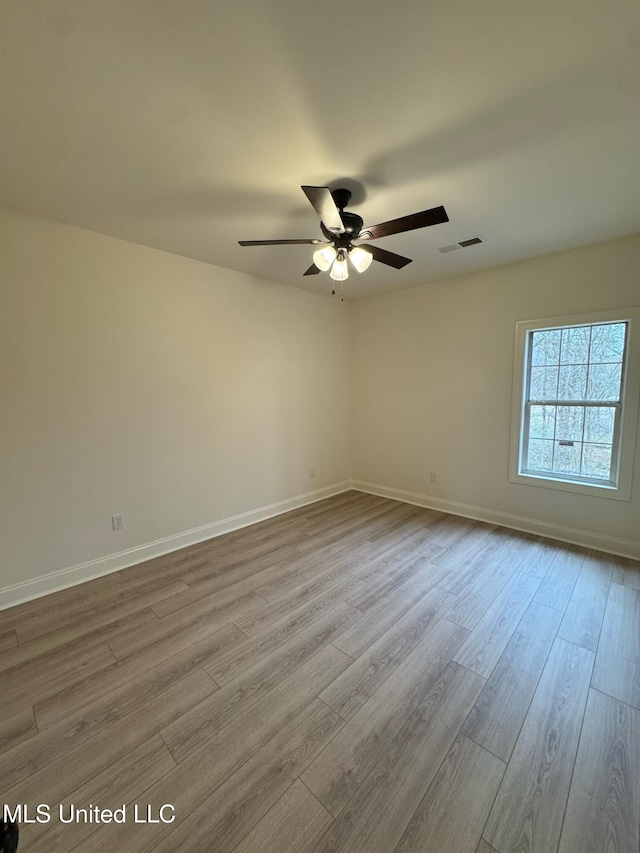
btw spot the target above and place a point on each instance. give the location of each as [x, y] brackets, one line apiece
[598, 542]
[65, 578]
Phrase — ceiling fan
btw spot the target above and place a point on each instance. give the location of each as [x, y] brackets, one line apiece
[342, 227]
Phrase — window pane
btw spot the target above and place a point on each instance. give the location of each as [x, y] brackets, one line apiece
[607, 342]
[542, 421]
[604, 382]
[540, 455]
[572, 382]
[566, 459]
[571, 419]
[596, 461]
[569, 423]
[544, 383]
[598, 424]
[575, 345]
[545, 348]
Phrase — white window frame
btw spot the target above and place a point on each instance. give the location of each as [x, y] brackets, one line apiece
[624, 448]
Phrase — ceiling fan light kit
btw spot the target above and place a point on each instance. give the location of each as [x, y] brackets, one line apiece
[341, 227]
[360, 258]
[340, 270]
[328, 259]
[323, 258]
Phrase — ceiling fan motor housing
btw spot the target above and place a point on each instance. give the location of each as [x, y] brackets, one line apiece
[351, 221]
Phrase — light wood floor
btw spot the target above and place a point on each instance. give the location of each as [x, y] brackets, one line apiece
[358, 675]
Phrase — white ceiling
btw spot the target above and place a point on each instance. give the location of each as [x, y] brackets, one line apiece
[190, 125]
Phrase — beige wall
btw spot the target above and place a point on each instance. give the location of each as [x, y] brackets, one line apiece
[432, 380]
[183, 394]
[139, 382]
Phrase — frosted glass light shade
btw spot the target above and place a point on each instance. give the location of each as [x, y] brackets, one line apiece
[340, 269]
[360, 258]
[324, 257]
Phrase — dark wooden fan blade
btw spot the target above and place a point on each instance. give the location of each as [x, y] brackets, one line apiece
[325, 207]
[388, 258]
[278, 242]
[313, 270]
[434, 216]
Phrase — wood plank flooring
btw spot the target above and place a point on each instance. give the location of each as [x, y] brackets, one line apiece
[356, 676]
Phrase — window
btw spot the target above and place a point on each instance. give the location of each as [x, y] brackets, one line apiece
[575, 403]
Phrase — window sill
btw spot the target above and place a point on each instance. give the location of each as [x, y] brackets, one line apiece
[594, 490]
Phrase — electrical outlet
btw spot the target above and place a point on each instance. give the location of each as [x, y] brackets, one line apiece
[434, 477]
[117, 522]
[312, 472]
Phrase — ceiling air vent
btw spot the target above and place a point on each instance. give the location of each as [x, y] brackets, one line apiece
[472, 241]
